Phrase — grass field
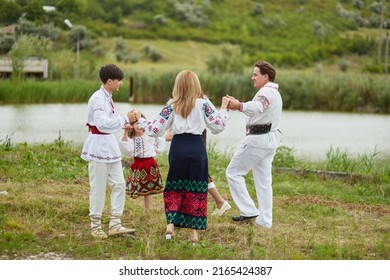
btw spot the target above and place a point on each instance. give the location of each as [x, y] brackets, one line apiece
[315, 218]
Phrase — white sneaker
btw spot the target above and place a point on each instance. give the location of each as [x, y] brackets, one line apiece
[219, 211]
[99, 233]
[120, 230]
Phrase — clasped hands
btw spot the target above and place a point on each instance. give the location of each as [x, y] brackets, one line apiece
[133, 116]
[230, 103]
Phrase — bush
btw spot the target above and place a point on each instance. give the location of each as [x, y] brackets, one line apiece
[344, 65]
[152, 52]
[258, 10]
[133, 57]
[191, 13]
[26, 27]
[228, 60]
[360, 45]
[6, 42]
[160, 20]
[319, 29]
[284, 157]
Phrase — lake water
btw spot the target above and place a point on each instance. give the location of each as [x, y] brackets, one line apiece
[309, 134]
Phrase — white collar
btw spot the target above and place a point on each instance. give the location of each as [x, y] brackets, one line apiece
[106, 93]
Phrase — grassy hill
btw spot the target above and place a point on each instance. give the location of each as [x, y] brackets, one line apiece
[285, 32]
[298, 33]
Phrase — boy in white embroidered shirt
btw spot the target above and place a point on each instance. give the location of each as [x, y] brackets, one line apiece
[144, 177]
[102, 152]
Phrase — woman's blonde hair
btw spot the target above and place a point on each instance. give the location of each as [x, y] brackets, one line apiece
[185, 92]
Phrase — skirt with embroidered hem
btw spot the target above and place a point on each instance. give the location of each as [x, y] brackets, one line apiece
[185, 194]
[145, 178]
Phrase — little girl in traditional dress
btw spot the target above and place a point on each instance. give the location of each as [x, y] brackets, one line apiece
[145, 177]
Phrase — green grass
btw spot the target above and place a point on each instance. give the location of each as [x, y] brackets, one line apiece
[46, 210]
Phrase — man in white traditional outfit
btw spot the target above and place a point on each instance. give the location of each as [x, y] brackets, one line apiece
[102, 152]
[257, 150]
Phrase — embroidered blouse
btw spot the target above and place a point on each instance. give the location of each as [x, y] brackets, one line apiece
[202, 115]
[98, 147]
[142, 146]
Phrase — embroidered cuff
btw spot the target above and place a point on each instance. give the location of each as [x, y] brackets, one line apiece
[241, 107]
[142, 123]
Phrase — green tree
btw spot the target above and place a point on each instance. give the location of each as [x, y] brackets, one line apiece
[34, 11]
[80, 35]
[10, 12]
[70, 7]
[25, 47]
[115, 15]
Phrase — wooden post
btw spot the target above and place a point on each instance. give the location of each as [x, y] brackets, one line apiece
[386, 53]
[131, 92]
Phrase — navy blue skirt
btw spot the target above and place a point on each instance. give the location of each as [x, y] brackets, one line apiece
[185, 193]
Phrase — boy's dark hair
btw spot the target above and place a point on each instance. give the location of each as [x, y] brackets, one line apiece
[266, 68]
[110, 71]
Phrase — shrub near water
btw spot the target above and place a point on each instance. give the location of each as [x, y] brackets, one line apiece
[46, 210]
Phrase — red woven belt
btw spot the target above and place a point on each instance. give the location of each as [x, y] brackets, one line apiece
[94, 130]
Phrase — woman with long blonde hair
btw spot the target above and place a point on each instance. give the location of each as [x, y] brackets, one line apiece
[187, 114]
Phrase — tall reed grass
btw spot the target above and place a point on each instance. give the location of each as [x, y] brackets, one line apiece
[301, 91]
[32, 91]
[336, 92]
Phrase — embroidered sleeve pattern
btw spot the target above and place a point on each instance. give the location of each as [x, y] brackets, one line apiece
[208, 109]
[138, 147]
[217, 122]
[263, 100]
[157, 124]
[166, 112]
[98, 105]
[98, 109]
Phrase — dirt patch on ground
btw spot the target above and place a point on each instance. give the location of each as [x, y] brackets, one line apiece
[40, 256]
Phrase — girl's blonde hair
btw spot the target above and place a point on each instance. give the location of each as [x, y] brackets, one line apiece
[185, 92]
[131, 133]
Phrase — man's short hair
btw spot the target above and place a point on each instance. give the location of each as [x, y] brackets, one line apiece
[110, 71]
[266, 68]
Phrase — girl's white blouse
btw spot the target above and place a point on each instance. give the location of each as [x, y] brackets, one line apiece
[142, 146]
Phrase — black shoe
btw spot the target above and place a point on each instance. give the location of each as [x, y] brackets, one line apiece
[242, 218]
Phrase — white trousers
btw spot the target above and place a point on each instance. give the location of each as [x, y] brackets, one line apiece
[101, 174]
[245, 159]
